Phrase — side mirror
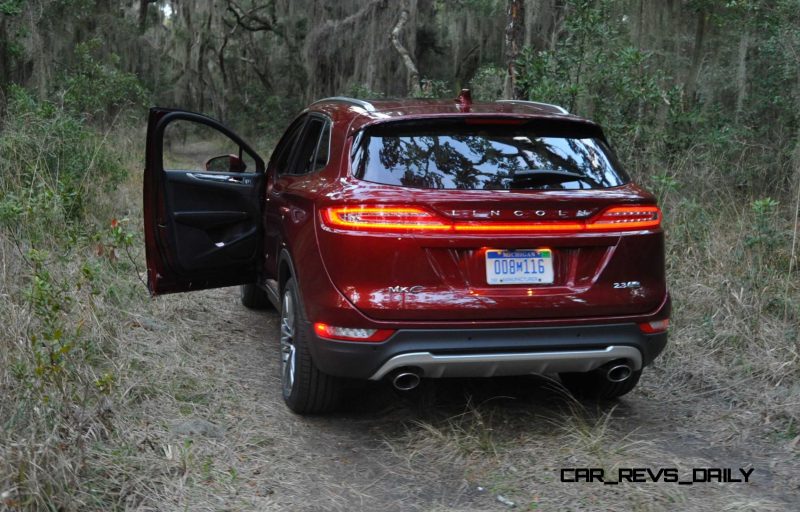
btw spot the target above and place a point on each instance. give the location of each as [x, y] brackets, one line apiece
[225, 163]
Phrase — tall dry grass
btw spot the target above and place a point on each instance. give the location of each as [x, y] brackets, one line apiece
[733, 274]
[67, 231]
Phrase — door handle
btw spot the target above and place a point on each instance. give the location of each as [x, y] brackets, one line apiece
[208, 177]
[222, 178]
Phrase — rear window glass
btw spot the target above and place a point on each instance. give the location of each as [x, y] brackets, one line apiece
[464, 156]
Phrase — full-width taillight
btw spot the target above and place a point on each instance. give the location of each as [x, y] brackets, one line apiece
[392, 218]
[351, 333]
[654, 327]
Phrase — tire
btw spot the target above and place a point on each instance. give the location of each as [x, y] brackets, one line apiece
[305, 389]
[595, 385]
[253, 297]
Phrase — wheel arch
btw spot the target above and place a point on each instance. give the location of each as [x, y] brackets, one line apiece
[286, 270]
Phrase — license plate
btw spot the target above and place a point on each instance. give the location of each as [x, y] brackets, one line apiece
[532, 266]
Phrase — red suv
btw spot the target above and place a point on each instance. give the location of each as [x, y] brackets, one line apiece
[409, 239]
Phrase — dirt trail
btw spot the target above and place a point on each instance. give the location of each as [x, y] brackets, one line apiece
[454, 445]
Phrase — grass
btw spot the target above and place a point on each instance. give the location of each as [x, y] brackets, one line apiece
[728, 379]
[62, 282]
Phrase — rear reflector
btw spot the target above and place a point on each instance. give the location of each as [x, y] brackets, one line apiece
[351, 333]
[400, 219]
[654, 327]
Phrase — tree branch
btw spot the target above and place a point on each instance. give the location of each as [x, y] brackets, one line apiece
[253, 22]
[515, 34]
[414, 87]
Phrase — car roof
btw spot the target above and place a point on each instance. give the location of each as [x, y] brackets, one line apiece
[362, 112]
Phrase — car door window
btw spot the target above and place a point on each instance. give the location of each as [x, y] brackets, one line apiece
[312, 153]
[323, 149]
[283, 152]
[188, 145]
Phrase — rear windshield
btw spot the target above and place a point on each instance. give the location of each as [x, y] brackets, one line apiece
[457, 155]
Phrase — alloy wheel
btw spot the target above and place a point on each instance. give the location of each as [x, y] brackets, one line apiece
[288, 351]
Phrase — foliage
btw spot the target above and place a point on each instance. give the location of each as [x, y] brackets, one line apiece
[97, 88]
[488, 83]
[55, 158]
[364, 92]
[767, 234]
[602, 69]
[60, 292]
[431, 88]
[11, 7]
[597, 70]
[717, 152]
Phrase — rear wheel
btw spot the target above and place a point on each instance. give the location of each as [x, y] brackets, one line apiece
[253, 297]
[595, 385]
[306, 390]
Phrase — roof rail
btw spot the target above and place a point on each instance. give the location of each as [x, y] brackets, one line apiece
[369, 107]
[559, 108]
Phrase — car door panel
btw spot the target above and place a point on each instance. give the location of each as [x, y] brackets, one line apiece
[290, 196]
[202, 229]
[276, 207]
[214, 222]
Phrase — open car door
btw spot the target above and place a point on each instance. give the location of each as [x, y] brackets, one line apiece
[203, 203]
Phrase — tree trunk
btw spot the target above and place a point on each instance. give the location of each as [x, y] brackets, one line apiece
[5, 71]
[697, 57]
[640, 25]
[143, 5]
[741, 73]
[515, 35]
[414, 86]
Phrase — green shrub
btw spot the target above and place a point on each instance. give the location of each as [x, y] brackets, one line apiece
[67, 273]
[97, 89]
[51, 163]
[488, 83]
[601, 69]
[362, 91]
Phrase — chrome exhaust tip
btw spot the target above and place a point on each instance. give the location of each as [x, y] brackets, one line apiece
[619, 372]
[405, 380]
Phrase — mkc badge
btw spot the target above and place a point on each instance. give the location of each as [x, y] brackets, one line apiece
[405, 289]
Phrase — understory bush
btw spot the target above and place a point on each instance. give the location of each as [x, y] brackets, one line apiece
[729, 184]
[65, 273]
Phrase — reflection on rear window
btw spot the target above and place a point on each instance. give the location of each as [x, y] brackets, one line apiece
[484, 157]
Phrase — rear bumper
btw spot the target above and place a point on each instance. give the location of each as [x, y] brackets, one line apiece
[508, 363]
[489, 352]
